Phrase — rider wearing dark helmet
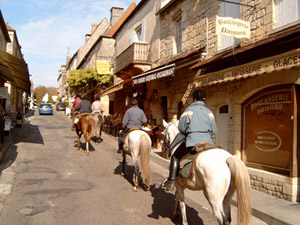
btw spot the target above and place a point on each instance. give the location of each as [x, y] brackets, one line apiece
[197, 124]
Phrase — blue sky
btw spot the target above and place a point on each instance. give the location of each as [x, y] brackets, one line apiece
[46, 29]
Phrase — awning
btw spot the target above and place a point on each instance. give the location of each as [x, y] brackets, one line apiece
[158, 73]
[284, 61]
[14, 70]
[116, 87]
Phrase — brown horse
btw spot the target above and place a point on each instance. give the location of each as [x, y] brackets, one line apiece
[85, 126]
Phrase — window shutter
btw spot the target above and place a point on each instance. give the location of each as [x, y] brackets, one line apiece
[287, 11]
[143, 31]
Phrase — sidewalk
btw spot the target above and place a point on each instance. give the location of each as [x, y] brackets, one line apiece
[267, 208]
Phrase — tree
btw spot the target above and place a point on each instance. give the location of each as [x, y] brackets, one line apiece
[52, 91]
[40, 91]
[78, 79]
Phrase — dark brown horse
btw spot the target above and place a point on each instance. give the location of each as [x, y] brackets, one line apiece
[85, 126]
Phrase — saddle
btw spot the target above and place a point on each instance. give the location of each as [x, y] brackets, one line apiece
[131, 129]
[187, 162]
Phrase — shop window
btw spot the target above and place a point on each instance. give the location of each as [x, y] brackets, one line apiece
[267, 134]
[229, 10]
[287, 11]
[180, 109]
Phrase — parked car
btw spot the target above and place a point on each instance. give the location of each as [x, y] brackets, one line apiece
[60, 106]
[46, 109]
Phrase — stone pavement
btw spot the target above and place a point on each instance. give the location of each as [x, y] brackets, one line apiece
[267, 208]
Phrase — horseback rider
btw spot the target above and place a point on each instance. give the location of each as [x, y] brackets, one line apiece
[197, 124]
[134, 118]
[97, 106]
[83, 107]
[73, 109]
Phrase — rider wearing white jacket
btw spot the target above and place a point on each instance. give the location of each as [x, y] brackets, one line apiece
[197, 124]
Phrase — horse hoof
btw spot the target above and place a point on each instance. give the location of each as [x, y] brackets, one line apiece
[122, 174]
[134, 189]
[147, 188]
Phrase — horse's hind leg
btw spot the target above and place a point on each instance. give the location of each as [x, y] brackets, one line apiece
[78, 141]
[136, 175]
[123, 164]
[180, 200]
[227, 204]
[216, 204]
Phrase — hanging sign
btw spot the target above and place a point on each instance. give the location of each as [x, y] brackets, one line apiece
[102, 67]
[233, 27]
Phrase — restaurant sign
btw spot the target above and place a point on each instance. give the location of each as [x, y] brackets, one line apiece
[251, 69]
[233, 27]
[155, 74]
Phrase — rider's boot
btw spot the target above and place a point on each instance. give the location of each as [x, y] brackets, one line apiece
[120, 150]
[169, 183]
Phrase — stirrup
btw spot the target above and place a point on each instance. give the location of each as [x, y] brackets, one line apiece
[167, 185]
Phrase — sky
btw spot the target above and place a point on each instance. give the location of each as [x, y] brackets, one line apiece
[47, 29]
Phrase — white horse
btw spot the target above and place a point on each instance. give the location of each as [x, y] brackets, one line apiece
[219, 174]
[138, 144]
[99, 120]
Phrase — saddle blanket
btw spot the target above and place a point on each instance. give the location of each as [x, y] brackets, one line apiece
[186, 164]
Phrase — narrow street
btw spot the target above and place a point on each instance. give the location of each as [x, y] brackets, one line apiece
[53, 183]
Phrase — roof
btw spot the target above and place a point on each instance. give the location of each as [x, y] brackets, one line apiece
[122, 19]
[131, 14]
[3, 27]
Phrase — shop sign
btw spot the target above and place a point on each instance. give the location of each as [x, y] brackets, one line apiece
[102, 67]
[268, 138]
[155, 74]
[250, 69]
[233, 27]
[3, 92]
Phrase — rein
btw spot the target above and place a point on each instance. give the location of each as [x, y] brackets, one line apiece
[167, 144]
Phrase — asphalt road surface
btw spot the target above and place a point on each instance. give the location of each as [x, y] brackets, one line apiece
[50, 182]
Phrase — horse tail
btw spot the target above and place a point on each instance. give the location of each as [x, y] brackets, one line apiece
[240, 176]
[145, 148]
[92, 126]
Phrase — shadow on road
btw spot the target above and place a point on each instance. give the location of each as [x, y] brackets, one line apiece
[163, 206]
[9, 158]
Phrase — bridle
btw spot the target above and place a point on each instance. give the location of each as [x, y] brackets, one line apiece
[167, 143]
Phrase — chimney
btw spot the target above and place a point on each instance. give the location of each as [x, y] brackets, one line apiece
[94, 26]
[87, 37]
[115, 14]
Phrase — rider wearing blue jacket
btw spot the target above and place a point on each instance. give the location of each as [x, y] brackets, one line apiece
[197, 124]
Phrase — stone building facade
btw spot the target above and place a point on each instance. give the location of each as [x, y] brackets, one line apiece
[251, 84]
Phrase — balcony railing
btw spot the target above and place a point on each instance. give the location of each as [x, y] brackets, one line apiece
[136, 53]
